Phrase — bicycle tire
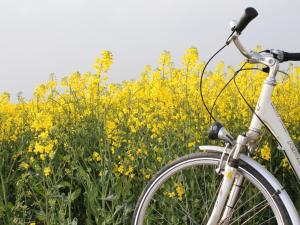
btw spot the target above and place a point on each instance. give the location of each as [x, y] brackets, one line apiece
[252, 176]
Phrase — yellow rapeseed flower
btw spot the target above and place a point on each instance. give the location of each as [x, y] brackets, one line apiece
[104, 63]
[42, 157]
[171, 194]
[44, 135]
[265, 152]
[165, 58]
[118, 169]
[47, 171]
[285, 163]
[121, 168]
[180, 191]
[96, 156]
[24, 165]
[190, 57]
[42, 121]
[129, 170]
[49, 148]
[38, 148]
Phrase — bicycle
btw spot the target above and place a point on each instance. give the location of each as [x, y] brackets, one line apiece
[218, 185]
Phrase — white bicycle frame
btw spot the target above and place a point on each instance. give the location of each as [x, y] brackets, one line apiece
[268, 114]
[265, 113]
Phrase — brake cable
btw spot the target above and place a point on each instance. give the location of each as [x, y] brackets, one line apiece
[203, 71]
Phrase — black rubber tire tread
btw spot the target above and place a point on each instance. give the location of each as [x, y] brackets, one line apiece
[242, 164]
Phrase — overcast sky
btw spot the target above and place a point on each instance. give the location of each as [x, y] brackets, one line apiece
[40, 37]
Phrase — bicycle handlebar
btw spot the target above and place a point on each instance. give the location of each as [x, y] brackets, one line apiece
[249, 14]
[291, 56]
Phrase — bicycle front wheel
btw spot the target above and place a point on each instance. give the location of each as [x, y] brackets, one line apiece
[185, 191]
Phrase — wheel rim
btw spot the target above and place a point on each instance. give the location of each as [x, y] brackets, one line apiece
[187, 197]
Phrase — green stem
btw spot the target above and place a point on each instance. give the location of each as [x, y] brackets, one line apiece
[69, 202]
[46, 199]
[3, 190]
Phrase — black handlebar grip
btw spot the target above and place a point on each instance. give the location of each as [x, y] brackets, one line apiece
[291, 56]
[250, 14]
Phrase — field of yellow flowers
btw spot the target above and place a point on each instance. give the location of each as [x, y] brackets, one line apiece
[81, 150]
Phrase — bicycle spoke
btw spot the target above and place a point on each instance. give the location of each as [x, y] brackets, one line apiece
[187, 213]
[268, 220]
[162, 216]
[186, 201]
[181, 208]
[199, 189]
[255, 214]
[246, 202]
[250, 210]
[211, 204]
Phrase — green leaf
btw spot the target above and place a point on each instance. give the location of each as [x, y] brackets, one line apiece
[75, 194]
[40, 215]
[109, 198]
[64, 184]
[74, 221]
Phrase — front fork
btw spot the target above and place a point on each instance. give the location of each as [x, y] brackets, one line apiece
[230, 189]
[232, 200]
